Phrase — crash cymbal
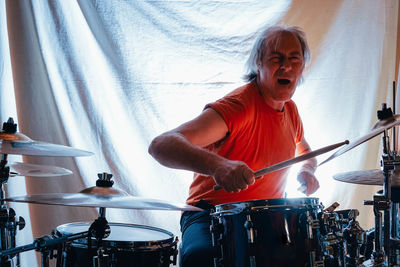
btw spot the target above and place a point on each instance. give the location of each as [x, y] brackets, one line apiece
[104, 197]
[13, 142]
[368, 177]
[378, 128]
[35, 170]
[29, 147]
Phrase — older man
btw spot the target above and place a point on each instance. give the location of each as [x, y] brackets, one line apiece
[252, 127]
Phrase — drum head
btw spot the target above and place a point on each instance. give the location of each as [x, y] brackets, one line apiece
[123, 235]
[263, 204]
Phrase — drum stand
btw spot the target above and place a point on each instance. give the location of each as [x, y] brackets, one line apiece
[386, 253]
[100, 228]
[8, 224]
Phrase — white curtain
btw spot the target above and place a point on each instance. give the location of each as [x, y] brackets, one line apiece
[108, 76]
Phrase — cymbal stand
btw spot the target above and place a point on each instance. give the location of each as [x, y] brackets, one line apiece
[100, 228]
[383, 202]
[8, 224]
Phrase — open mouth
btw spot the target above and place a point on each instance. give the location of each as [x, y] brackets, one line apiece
[283, 81]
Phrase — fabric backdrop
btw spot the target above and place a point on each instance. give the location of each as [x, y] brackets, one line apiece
[108, 76]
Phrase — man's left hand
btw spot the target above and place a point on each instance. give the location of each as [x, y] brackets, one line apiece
[307, 178]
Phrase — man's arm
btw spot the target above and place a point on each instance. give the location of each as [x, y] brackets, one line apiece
[306, 173]
[183, 148]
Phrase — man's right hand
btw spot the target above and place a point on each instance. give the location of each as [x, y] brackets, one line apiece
[234, 176]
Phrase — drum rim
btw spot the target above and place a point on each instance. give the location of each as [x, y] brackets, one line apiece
[263, 204]
[137, 244]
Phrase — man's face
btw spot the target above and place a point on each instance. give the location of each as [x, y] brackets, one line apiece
[281, 68]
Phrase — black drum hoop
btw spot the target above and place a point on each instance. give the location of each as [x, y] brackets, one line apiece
[267, 204]
[137, 245]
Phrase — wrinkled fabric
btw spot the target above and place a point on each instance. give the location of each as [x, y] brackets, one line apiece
[108, 76]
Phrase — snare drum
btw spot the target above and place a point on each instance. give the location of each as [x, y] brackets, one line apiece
[272, 232]
[127, 245]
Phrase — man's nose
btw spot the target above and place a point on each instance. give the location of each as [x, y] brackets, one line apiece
[285, 64]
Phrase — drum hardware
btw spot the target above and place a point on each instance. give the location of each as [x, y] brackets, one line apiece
[271, 232]
[217, 230]
[101, 195]
[355, 237]
[385, 204]
[44, 244]
[249, 226]
[8, 224]
[107, 252]
[331, 237]
[311, 225]
[100, 228]
[12, 142]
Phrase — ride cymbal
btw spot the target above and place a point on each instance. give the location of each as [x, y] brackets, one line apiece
[368, 177]
[102, 197]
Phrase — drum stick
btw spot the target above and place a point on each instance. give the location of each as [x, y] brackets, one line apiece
[290, 162]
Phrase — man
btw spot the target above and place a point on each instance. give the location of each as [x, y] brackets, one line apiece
[255, 126]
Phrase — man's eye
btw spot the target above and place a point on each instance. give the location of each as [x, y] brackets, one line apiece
[295, 59]
[275, 59]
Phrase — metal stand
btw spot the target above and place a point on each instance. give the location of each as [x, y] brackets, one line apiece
[100, 229]
[387, 242]
[44, 244]
[8, 223]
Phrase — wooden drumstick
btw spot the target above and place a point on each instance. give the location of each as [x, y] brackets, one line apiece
[290, 162]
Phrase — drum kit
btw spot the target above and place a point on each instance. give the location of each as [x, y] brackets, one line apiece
[271, 232]
[301, 232]
[96, 243]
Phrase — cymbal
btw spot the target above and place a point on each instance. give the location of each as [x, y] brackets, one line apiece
[35, 170]
[20, 144]
[368, 177]
[378, 128]
[105, 197]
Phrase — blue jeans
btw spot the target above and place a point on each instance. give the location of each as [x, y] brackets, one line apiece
[196, 247]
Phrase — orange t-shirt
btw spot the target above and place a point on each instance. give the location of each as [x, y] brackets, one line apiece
[257, 135]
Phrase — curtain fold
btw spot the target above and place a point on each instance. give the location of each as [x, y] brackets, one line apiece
[108, 76]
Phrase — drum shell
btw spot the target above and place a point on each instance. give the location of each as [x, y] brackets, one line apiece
[127, 252]
[279, 227]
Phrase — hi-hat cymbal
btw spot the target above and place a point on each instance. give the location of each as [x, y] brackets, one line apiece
[378, 128]
[35, 170]
[368, 177]
[20, 144]
[105, 197]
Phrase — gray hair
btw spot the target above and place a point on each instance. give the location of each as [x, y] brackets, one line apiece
[268, 36]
